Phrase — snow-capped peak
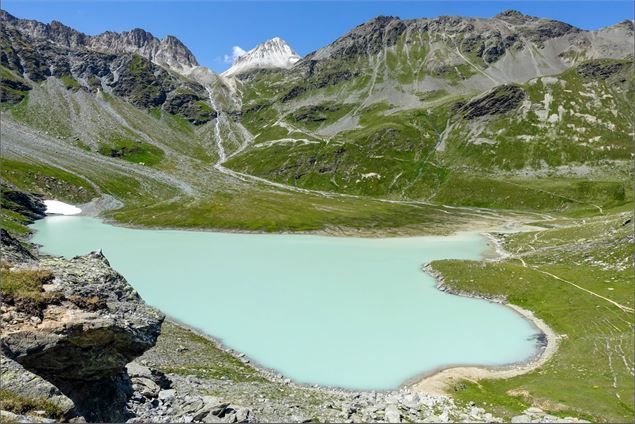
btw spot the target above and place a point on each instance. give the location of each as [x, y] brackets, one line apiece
[274, 53]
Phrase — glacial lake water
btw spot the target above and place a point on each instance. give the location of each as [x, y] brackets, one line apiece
[355, 313]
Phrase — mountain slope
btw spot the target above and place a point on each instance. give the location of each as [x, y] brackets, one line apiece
[443, 109]
[415, 110]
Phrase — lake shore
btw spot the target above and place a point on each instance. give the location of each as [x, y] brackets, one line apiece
[439, 382]
[503, 223]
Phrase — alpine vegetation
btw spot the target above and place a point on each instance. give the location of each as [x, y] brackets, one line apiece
[451, 199]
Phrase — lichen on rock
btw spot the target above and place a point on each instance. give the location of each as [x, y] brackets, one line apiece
[82, 342]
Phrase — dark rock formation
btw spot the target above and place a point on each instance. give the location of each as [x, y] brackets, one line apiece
[29, 205]
[13, 250]
[500, 100]
[12, 89]
[141, 82]
[190, 105]
[314, 113]
[599, 69]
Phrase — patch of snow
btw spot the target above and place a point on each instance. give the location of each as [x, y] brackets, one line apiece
[371, 175]
[285, 141]
[274, 53]
[550, 80]
[56, 207]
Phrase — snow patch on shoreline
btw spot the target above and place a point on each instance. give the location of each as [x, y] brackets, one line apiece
[60, 208]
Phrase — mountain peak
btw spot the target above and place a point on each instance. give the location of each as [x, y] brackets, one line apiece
[273, 53]
[513, 16]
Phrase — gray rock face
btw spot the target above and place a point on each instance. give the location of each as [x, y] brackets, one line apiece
[503, 43]
[32, 386]
[82, 341]
[392, 414]
[134, 66]
[169, 52]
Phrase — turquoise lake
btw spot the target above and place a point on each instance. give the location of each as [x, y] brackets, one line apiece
[355, 313]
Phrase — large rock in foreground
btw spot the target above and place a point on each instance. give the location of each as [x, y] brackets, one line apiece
[79, 331]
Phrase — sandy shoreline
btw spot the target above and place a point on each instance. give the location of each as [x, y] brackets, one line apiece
[441, 381]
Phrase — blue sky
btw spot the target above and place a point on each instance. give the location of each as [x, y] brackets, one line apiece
[212, 28]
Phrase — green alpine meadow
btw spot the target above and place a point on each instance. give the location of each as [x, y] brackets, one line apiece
[422, 219]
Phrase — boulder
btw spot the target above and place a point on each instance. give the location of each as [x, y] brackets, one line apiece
[392, 414]
[83, 352]
[31, 386]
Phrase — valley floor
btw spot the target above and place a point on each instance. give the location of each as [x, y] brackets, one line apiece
[575, 275]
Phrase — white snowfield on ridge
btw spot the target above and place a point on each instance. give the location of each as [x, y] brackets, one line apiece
[274, 53]
[55, 207]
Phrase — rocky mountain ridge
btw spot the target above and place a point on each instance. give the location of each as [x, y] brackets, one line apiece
[487, 38]
[134, 66]
[168, 52]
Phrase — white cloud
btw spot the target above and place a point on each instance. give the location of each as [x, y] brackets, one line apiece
[237, 51]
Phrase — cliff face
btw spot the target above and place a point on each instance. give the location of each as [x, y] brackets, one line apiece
[76, 324]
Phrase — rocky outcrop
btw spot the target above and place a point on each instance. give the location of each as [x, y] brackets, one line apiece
[500, 100]
[29, 205]
[88, 325]
[70, 329]
[600, 69]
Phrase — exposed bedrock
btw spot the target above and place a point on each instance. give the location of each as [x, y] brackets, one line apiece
[502, 99]
[76, 323]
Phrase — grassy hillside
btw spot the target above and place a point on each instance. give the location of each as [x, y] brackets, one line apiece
[558, 143]
[569, 275]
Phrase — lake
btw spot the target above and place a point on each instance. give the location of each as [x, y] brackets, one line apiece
[354, 313]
